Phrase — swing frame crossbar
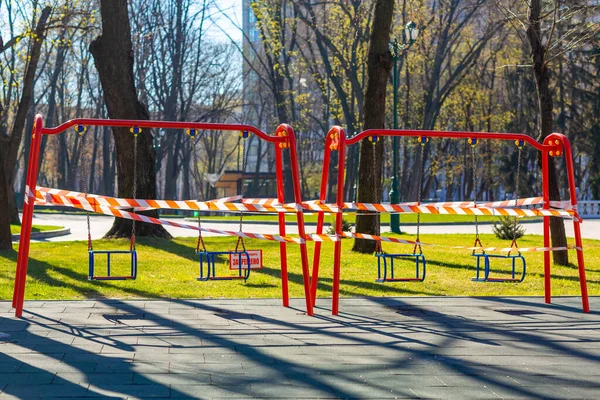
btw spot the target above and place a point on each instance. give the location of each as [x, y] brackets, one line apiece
[283, 139]
[210, 258]
[108, 276]
[486, 267]
[384, 257]
[555, 144]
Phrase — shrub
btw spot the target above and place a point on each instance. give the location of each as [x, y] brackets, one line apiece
[507, 230]
[346, 227]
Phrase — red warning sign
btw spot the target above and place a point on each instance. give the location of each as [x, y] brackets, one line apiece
[255, 260]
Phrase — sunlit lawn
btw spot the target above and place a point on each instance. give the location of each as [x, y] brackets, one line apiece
[169, 269]
[34, 228]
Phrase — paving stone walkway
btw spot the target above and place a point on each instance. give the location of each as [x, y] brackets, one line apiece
[376, 348]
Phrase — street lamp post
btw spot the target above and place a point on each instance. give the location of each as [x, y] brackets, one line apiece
[410, 35]
[394, 192]
[156, 146]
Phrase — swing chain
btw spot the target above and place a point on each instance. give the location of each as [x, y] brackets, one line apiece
[196, 173]
[81, 130]
[514, 241]
[373, 139]
[240, 238]
[473, 142]
[136, 131]
[419, 194]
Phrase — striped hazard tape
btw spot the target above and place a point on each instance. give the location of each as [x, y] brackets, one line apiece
[460, 210]
[60, 197]
[335, 238]
[68, 193]
[454, 208]
[89, 203]
[530, 201]
[114, 207]
[115, 212]
[268, 202]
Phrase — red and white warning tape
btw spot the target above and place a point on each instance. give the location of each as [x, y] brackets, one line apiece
[334, 238]
[254, 205]
[530, 201]
[265, 202]
[60, 197]
[113, 206]
[459, 210]
[115, 212]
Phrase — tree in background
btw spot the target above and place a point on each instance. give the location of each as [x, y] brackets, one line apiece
[379, 67]
[336, 61]
[468, 70]
[277, 24]
[539, 51]
[553, 30]
[10, 141]
[113, 56]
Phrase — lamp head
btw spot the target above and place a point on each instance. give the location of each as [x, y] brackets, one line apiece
[411, 32]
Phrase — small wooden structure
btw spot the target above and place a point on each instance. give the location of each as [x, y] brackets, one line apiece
[250, 184]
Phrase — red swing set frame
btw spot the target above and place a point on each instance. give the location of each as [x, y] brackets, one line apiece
[283, 138]
[554, 145]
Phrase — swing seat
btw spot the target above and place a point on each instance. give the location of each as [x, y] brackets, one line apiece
[383, 258]
[109, 277]
[210, 259]
[484, 276]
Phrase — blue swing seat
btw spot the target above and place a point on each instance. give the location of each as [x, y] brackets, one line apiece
[210, 258]
[484, 276]
[383, 258]
[109, 277]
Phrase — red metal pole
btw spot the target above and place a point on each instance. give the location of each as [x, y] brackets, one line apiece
[546, 196]
[28, 205]
[32, 172]
[337, 255]
[291, 140]
[162, 124]
[576, 224]
[449, 134]
[321, 217]
[25, 207]
[282, 245]
[581, 266]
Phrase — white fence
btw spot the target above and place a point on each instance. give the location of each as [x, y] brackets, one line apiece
[589, 208]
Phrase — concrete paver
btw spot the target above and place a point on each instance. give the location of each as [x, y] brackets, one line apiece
[428, 347]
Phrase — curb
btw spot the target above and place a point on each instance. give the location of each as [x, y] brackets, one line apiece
[44, 235]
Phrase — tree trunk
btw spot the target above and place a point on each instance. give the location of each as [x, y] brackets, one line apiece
[113, 56]
[332, 184]
[26, 149]
[61, 54]
[5, 235]
[282, 114]
[542, 79]
[378, 71]
[107, 171]
[9, 145]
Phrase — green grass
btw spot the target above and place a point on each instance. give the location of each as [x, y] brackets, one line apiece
[14, 228]
[169, 269]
